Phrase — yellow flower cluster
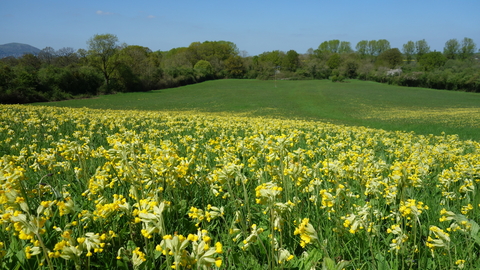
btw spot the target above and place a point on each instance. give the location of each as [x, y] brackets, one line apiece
[77, 185]
[307, 232]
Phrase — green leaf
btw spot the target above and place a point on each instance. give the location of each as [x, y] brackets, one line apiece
[342, 265]
[382, 264]
[131, 245]
[328, 264]
[475, 228]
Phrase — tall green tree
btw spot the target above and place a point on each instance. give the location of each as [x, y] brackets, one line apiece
[291, 61]
[421, 48]
[66, 56]
[409, 50]
[345, 47]
[101, 52]
[46, 55]
[234, 66]
[362, 48]
[330, 46]
[467, 48]
[451, 49]
[334, 46]
[391, 58]
[432, 60]
[334, 61]
[383, 45]
[372, 48]
[138, 68]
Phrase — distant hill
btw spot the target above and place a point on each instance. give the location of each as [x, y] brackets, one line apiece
[17, 50]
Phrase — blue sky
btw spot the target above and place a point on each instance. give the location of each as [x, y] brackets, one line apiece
[254, 26]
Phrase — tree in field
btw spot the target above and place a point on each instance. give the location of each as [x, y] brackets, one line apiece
[46, 55]
[451, 49]
[376, 47]
[421, 48]
[391, 58]
[372, 47]
[344, 47]
[234, 66]
[30, 62]
[204, 69]
[362, 48]
[334, 61]
[468, 48]
[137, 68]
[432, 60]
[273, 58]
[332, 46]
[101, 53]
[409, 50]
[211, 51]
[382, 46]
[291, 61]
[65, 56]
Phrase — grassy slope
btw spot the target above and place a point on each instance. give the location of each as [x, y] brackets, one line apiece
[345, 103]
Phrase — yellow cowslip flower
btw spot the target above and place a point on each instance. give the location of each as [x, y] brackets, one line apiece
[446, 215]
[327, 199]
[218, 262]
[138, 257]
[466, 209]
[460, 264]
[284, 256]
[411, 208]
[218, 247]
[32, 251]
[267, 193]
[306, 231]
[441, 240]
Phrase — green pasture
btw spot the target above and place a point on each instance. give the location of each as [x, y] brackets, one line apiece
[361, 103]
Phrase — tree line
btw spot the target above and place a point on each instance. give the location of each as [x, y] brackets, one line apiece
[107, 66]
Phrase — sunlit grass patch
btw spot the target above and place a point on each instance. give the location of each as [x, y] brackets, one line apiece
[465, 117]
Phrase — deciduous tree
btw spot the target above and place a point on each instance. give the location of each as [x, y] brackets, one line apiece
[334, 61]
[409, 50]
[391, 58]
[421, 48]
[291, 61]
[468, 48]
[46, 55]
[451, 49]
[101, 50]
[345, 47]
[432, 60]
[234, 66]
[362, 48]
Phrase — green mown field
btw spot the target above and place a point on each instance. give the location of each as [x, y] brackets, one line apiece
[240, 174]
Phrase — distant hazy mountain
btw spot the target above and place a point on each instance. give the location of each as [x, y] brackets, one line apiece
[17, 49]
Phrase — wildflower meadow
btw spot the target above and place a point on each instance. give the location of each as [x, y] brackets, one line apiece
[124, 189]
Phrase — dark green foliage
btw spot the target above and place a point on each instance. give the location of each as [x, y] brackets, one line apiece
[432, 60]
[235, 67]
[110, 68]
[467, 49]
[451, 49]
[409, 50]
[349, 68]
[334, 61]
[391, 58]
[291, 61]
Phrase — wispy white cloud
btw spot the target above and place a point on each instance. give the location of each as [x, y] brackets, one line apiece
[151, 17]
[100, 12]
